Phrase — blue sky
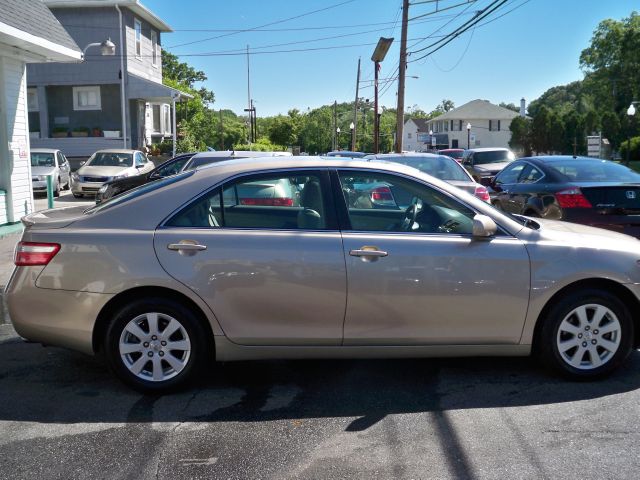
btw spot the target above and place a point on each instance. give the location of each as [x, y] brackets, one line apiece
[522, 54]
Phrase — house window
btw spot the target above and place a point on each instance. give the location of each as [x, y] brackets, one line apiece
[86, 98]
[494, 125]
[32, 100]
[154, 48]
[409, 135]
[138, 29]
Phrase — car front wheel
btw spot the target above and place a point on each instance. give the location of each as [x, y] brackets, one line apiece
[587, 334]
[155, 345]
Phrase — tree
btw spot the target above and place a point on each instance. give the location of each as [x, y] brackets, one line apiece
[521, 135]
[282, 131]
[540, 130]
[574, 139]
[612, 62]
[446, 105]
[510, 106]
[611, 128]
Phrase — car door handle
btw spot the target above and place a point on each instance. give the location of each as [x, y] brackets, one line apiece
[368, 252]
[186, 246]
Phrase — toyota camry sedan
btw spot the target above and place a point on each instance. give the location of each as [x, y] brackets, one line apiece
[280, 258]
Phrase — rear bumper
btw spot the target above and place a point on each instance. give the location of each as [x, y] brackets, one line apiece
[54, 317]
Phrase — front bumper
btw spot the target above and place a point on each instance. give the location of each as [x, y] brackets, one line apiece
[53, 317]
[39, 185]
[85, 188]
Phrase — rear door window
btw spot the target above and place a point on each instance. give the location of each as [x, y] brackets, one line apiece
[282, 201]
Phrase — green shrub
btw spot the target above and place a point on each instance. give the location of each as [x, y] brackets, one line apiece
[635, 149]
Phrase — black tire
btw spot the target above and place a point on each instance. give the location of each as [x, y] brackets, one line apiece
[78, 195]
[56, 191]
[547, 342]
[197, 335]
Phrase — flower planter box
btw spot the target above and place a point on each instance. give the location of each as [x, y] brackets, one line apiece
[34, 135]
[111, 133]
[79, 134]
[59, 135]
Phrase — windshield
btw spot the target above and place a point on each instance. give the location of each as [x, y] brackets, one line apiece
[493, 156]
[440, 167]
[110, 159]
[136, 192]
[585, 170]
[454, 154]
[42, 160]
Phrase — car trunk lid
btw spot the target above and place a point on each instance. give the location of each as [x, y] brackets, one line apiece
[613, 198]
[53, 218]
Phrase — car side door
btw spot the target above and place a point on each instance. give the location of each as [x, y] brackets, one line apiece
[416, 274]
[503, 186]
[64, 170]
[265, 253]
[526, 195]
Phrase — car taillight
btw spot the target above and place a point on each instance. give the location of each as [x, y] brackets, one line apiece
[381, 194]
[572, 198]
[267, 202]
[29, 254]
[482, 193]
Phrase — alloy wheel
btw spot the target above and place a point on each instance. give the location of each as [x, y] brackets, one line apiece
[589, 336]
[154, 347]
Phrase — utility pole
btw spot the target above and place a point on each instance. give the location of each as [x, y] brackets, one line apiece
[221, 132]
[335, 123]
[355, 111]
[376, 121]
[401, 76]
[249, 100]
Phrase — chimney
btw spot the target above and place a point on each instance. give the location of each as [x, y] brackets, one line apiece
[522, 107]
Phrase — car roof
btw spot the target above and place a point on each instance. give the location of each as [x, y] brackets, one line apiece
[383, 156]
[488, 149]
[44, 150]
[562, 158]
[239, 154]
[116, 150]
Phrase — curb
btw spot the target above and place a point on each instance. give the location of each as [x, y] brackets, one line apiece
[11, 229]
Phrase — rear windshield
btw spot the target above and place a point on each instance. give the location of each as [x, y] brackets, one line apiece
[111, 159]
[138, 191]
[440, 167]
[584, 170]
[495, 156]
[453, 154]
[42, 160]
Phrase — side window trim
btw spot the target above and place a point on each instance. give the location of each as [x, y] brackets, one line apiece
[528, 167]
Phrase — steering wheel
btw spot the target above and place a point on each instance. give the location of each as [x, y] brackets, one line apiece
[410, 215]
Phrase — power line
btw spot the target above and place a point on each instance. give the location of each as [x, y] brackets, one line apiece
[457, 34]
[442, 10]
[283, 20]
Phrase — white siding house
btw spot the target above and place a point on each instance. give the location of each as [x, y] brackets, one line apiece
[489, 126]
[22, 22]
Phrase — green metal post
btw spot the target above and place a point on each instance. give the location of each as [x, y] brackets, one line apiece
[49, 191]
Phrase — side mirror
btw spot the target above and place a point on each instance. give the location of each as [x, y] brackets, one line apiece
[483, 226]
[83, 162]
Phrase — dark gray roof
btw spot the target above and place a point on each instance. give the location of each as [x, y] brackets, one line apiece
[421, 124]
[33, 17]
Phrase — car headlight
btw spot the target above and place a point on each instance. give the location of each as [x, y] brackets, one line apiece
[75, 176]
[103, 188]
[40, 178]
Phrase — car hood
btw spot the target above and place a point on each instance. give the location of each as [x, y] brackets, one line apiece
[54, 218]
[585, 236]
[491, 167]
[43, 171]
[92, 171]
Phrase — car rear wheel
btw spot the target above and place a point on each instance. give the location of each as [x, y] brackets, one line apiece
[586, 335]
[155, 345]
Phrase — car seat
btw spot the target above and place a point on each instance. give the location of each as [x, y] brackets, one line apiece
[311, 217]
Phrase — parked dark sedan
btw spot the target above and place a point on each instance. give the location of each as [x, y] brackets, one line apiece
[582, 190]
[168, 168]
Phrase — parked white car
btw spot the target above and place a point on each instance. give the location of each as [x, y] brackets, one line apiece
[106, 165]
[45, 162]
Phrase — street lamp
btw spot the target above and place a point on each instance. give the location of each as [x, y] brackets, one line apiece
[378, 55]
[430, 139]
[107, 48]
[631, 111]
[338, 137]
[468, 135]
[352, 127]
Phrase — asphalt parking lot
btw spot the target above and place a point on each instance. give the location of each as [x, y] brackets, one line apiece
[65, 416]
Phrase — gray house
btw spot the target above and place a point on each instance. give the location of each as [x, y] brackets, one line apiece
[28, 33]
[107, 101]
